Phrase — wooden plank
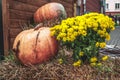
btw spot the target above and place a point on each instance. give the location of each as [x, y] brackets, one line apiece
[15, 23]
[69, 10]
[22, 6]
[16, 14]
[69, 1]
[14, 32]
[70, 15]
[66, 1]
[5, 17]
[93, 6]
[11, 41]
[92, 9]
[17, 4]
[95, 3]
[34, 2]
[65, 4]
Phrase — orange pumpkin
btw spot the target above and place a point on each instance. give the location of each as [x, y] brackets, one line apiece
[49, 11]
[35, 46]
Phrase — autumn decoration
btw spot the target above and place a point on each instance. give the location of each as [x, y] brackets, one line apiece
[34, 46]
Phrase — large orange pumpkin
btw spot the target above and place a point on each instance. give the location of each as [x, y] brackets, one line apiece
[49, 11]
[35, 46]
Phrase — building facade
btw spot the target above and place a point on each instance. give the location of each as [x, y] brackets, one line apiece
[113, 6]
[113, 9]
[85, 6]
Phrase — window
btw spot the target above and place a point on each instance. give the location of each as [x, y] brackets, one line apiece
[107, 6]
[117, 5]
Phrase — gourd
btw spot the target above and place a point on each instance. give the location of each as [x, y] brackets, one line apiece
[50, 11]
[35, 46]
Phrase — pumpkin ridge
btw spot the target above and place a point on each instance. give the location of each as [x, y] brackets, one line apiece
[37, 38]
[50, 45]
[50, 49]
[35, 51]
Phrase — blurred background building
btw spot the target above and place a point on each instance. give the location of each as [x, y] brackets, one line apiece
[113, 10]
[86, 6]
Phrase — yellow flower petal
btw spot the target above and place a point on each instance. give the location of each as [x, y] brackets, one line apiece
[93, 59]
[104, 58]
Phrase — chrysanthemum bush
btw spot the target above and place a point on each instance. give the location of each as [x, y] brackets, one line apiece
[85, 35]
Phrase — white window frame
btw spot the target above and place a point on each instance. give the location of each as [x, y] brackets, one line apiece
[117, 6]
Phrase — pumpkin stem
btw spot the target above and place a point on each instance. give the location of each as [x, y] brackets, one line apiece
[61, 14]
[38, 26]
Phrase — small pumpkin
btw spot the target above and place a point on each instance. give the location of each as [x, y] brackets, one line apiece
[49, 11]
[35, 46]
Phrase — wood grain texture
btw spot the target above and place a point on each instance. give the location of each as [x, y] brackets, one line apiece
[11, 41]
[37, 3]
[15, 23]
[22, 6]
[5, 17]
[17, 14]
[93, 6]
[65, 4]
[14, 32]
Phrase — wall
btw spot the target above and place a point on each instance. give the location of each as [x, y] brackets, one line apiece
[112, 5]
[93, 6]
[89, 6]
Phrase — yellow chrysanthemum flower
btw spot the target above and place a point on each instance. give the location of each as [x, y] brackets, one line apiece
[95, 29]
[81, 53]
[93, 64]
[75, 34]
[101, 33]
[102, 44]
[112, 28]
[52, 33]
[107, 37]
[58, 37]
[60, 61]
[104, 58]
[84, 33]
[93, 59]
[77, 63]
[64, 39]
[95, 24]
[99, 64]
[70, 30]
[97, 44]
[72, 37]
